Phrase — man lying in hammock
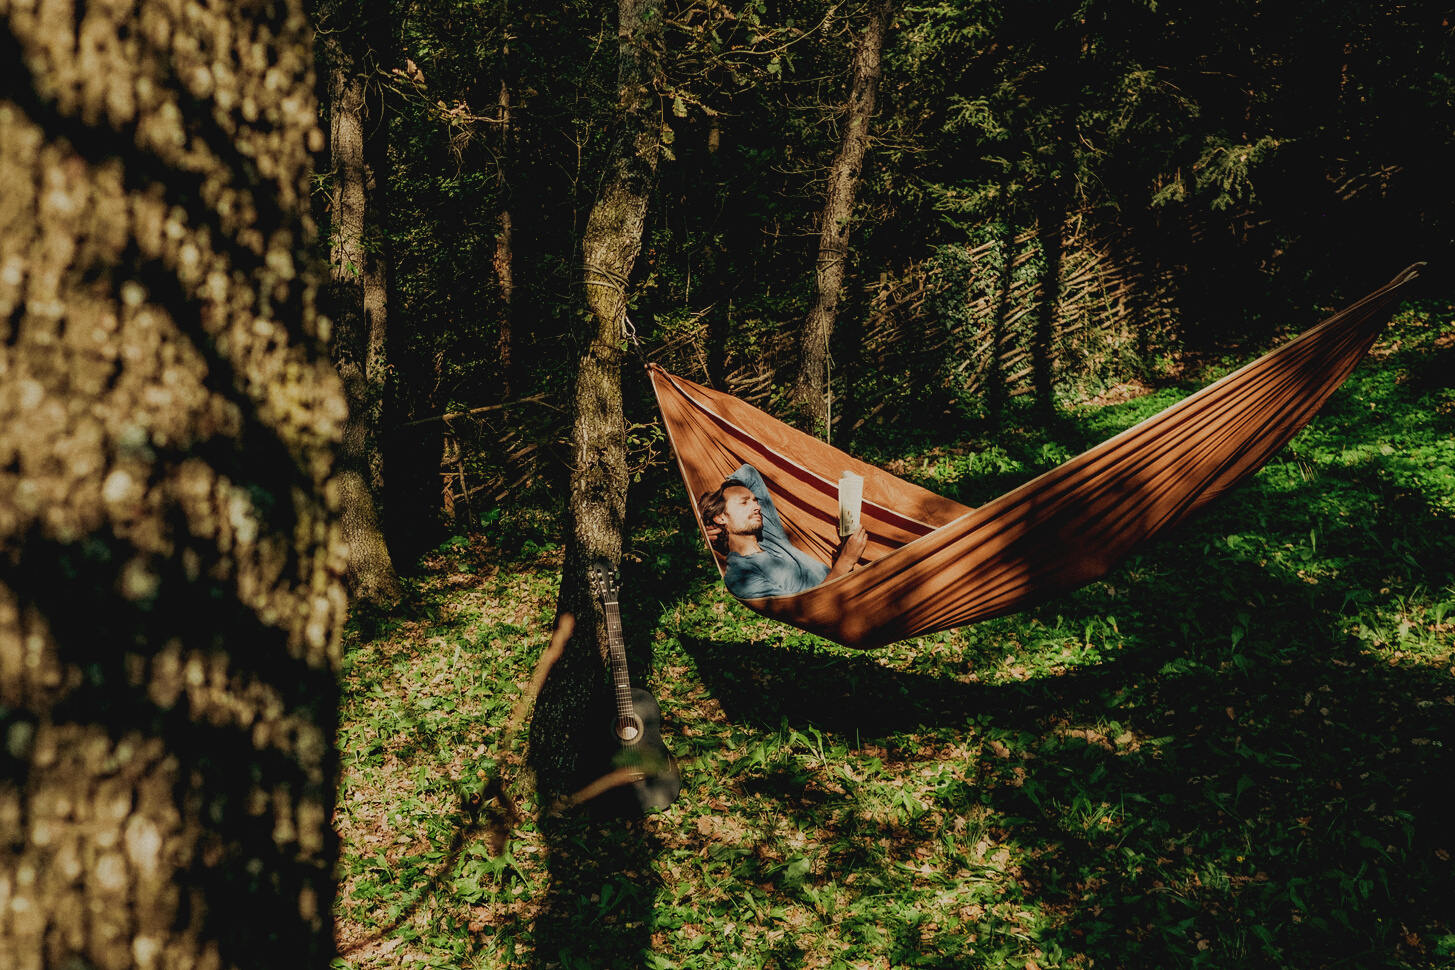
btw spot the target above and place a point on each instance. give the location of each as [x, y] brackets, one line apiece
[741, 520]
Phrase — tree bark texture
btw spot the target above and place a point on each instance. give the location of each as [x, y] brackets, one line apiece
[809, 390]
[505, 274]
[504, 260]
[353, 37]
[596, 509]
[171, 589]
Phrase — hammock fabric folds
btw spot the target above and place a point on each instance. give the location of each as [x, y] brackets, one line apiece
[933, 564]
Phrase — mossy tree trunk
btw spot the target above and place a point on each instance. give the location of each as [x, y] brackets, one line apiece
[809, 393]
[171, 587]
[596, 508]
[354, 38]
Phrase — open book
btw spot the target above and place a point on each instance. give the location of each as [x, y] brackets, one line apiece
[851, 502]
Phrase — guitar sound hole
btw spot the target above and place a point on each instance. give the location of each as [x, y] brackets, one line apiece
[628, 729]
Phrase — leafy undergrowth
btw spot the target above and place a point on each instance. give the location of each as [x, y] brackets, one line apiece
[1233, 752]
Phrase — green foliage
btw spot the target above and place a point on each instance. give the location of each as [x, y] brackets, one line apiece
[1235, 164]
[1230, 752]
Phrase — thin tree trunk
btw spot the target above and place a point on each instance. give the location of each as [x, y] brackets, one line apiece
[719, 324]
[596, 507]
[358, 287]
[505, 274]
[995, 383]
[505, 246]
[447, 479]
[725, 261]
[1051, 225]
[808, 394]
[171, 582]
[851, 414]
[1142, 294]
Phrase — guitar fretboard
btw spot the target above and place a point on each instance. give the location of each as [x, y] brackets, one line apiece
[617, 647]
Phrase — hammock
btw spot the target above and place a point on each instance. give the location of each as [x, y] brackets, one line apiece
[934, 564]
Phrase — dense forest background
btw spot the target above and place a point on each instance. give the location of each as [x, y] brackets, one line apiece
[1097, 190]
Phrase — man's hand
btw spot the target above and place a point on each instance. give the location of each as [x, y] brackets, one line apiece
[713, 530]
[850, 550]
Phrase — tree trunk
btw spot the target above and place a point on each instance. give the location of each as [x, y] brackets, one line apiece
[505, 275]
[596, 508]
[809, 390]
[171, 590]
[996, 392]
[852, 340]
[719, 325]
[1050, 226]
[505, 249]
[358, 284]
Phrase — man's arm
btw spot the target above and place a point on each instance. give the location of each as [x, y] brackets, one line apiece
[772, 524]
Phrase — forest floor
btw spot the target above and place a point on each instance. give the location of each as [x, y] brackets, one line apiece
[1235, 751]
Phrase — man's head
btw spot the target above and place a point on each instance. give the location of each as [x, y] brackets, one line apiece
[733, 508]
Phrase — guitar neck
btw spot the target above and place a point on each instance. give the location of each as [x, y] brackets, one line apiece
[617, 645]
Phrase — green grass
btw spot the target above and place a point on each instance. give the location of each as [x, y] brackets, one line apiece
[1232, 752]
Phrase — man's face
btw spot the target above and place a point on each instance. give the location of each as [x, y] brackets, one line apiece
[741, 515]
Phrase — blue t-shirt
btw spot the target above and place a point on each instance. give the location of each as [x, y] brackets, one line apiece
[781, 569]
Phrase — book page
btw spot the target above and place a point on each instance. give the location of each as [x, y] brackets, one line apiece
[851, 502]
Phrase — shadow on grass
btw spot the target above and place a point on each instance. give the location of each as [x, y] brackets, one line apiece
[600, 900]
[598, 909]
[1248, 784]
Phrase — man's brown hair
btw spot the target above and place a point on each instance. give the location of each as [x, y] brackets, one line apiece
[711, 505]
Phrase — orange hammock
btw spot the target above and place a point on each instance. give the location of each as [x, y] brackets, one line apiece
[934, 564]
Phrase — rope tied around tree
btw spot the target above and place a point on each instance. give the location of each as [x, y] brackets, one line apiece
[616, 282]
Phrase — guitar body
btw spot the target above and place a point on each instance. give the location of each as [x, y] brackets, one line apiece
[646, 753]
[633, 738]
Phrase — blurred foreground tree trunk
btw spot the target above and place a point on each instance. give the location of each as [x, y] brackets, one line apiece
[354, 38]
[170, 574]
[596, 507]
[809, 389]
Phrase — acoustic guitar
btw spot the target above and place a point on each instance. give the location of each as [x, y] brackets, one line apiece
[635, 739]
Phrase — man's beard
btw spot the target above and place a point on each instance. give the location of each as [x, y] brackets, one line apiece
[756, 533]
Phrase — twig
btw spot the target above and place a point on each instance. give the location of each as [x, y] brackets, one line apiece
[612, 779]
[565, 625]
[480, 410]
